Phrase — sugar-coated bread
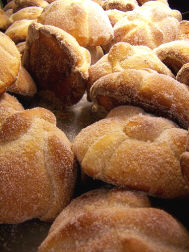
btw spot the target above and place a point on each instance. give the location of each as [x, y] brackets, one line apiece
[123, 56]
[8, 105]
[152, 25]
[122, 5]
[184, 30]
[18, 31]
[24, 85]
[115, 220]
[9, 62]
[19, 4]
[115, 15]
[174, 54]
[83, 19]
[4, 20]
[56, 62]
[36, 166]
[32, 12]
[152, 91]
[183, 74]
[130, 148]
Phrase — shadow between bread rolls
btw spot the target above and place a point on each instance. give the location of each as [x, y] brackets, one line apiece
[37, 169]
[130, 148]
[115, 220]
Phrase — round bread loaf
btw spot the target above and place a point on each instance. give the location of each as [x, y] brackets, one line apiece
[9, 62]
[36, 167]
[83, 19]
[115, 220]
[130, 148]
[152, 91]
[56, 62]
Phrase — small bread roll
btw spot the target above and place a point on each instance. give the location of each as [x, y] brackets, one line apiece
[125, 56]
[83, 19]
[122, 5]
[9, 62]
[115, 220]
[184, 30]
[174, 54]
[36, 167]
[56, 62]
[8, 105]
[130, 148]
[24, 85]
[151, 25]
[4, 20]
[31, 13]
[154, 92]
[18, 31]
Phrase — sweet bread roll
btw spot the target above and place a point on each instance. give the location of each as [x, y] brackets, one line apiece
[184, 30]
[122, 5]
[8, 105]
[9, 62]
[115, 220]
[83, 19]
[20, 4]
[24, 84]
[183, 74]
[154, 92]
[18, 31]
[4, 20]
[56, 62]
[115, 15]
[174, 54]
[32, 12]
[125, 56]
[151, 25]
[130, 148]
[36, 167]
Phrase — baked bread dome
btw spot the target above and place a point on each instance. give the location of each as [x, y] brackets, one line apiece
[151, 25]
[148, 89]
[36, 166]
[9, 62]
[130, 148]
[56, 62]
[83, 19]
[114, 220]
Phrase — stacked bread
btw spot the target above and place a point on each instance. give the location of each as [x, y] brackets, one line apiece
[145, 69]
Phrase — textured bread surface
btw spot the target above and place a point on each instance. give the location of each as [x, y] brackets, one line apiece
[122, 5]
[130, 148]
[114, 220]
[151, 25]
[32, 12]
[184, 30]
[4, 20]
[152, 91]
[83, 19]
[115, 15]
[20, 4]
[56, 62]
[123, 56]
[36, 166]
[174, 54]
[9, 62]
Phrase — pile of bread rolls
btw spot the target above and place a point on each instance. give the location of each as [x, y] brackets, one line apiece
[131, 57]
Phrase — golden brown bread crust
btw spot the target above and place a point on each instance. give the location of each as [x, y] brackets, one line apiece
[32, 12]
[114, 220]
[9, 62]
[8, 106]
[56, 62]
[183, 74]
[184, 30]
[19, 4]
[125, 56]
[83, 19]
[24, 85]
[36, 166]
[152, 25]
[4, 20]
[18, 31]
[154, 92]
[133, 149]
[174, 54]
[122, 5]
